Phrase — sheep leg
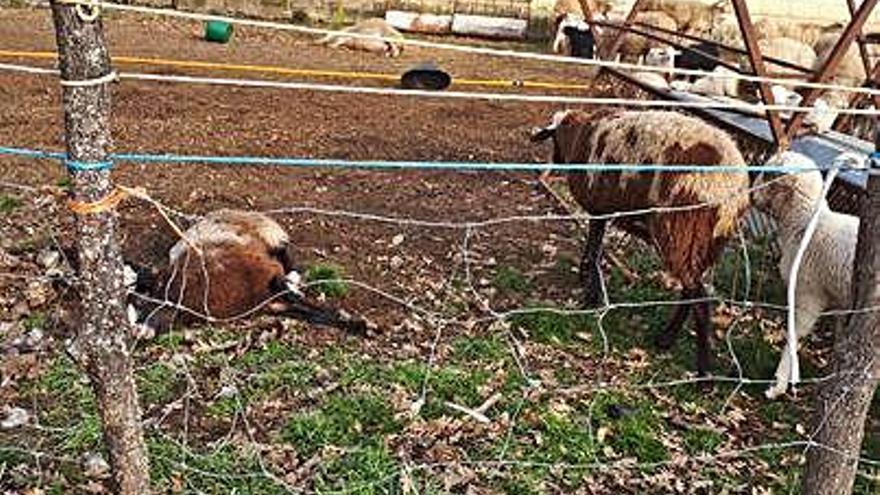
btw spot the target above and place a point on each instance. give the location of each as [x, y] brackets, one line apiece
[667, 338]
[703, 323]
[591, 271]
[295, 306]
[804, 322]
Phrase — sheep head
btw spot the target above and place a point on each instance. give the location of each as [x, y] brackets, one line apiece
[563, 129]
[779, 194]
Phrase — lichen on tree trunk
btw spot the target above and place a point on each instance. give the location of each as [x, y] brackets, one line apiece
[103, 337]
[844, 401]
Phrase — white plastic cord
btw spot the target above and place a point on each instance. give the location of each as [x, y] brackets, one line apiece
[792, 344]
[255, 83]
[474, 49]
[107, 78]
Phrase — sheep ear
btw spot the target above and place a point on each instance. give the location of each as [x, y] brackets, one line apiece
[540, 134]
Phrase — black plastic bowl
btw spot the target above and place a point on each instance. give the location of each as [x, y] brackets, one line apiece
[425, 76]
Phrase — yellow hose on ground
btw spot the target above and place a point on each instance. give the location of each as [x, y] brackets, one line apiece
[268, 69]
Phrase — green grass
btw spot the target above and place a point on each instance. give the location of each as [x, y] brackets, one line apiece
[635, 427]
[456, 384]
[479, 349]
[367, 470]
[701, 441]
[549, 327]
[34, 321]
[509, 280]
[343, 420]
[158, 383]
[70, 407]
[326, 279]
[227, 469]
[8, 204]
[766, 284]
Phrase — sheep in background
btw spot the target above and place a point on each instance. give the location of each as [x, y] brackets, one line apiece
[726, 30]
[694, 57]
[574, 37]
[562, 8]
[660, 57]
[825, 278]
[634, 46]
[718, 86]
[789, 50]
[654, 79]
[688, 241]
[691, 16]
[370, 27]
[228, 264]
[850, 71]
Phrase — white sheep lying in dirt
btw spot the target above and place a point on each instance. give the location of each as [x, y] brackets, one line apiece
[824, 281]
[371, 27]
[688, 242]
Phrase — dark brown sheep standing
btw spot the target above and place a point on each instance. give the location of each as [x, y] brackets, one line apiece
[688, 241]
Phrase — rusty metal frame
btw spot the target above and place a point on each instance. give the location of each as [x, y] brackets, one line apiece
[614, 46]
[872, 74]
[782, 134]
[756, 59]
[829, 66]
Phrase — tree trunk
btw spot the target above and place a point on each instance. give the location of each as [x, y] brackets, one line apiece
[104, 334]
[843, 403]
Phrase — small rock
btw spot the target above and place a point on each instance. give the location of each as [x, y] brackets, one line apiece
[94, 466]
[15, 417]
[396, 262]
[37, 294]
[33, 338]
[227, 391]
[397, 240]
[49, 259]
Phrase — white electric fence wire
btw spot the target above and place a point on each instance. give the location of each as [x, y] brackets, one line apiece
[468, 48]
[458, 95]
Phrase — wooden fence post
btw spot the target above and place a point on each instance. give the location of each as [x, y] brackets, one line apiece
[844, 401]
[104, 337]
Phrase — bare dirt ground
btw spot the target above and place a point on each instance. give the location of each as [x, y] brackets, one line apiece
[268, 406]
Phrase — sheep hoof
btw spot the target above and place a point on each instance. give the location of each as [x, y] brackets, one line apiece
[705, 385]
[775, 391]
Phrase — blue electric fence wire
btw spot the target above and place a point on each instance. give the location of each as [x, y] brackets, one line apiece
[87, 166]
[415, 165]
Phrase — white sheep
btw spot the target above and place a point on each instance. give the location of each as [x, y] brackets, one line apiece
[689, 241]
[370, 27]
[692, 16]
[850, 71]
[633, 46]
[787, 49]
[824, 281]
[717, 86]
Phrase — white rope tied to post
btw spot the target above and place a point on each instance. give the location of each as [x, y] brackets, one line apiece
[86, 10]
[792, 338]
[85, 83]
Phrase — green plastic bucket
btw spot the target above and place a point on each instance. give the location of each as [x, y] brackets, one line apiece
[218, 31]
